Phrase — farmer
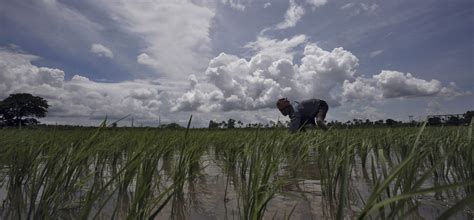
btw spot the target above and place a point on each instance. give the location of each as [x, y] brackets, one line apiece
[304, 113]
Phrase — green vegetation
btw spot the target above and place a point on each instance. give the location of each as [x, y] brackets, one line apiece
[139, 173]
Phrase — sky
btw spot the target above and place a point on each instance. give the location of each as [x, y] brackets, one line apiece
[164, 60]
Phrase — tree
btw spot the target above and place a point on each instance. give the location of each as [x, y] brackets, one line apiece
[453, 120]
[213, 124]
[368, 122]
[390, 122]
[223, 124]
[468, 116]
[434, 121]
[22, 108]
[172, 126]
[231, 123]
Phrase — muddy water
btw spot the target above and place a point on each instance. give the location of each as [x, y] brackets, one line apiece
[207, 197]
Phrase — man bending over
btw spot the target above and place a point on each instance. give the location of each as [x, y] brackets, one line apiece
[304, 113]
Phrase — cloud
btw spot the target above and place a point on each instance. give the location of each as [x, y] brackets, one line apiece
[366, 112]
[235, 4]
[348, 5]
[397, 84]
[176, 34]
[230, 84]
[294, 13]
[267, 4]
[53, 24]
[361, 89]
[143, 58]
[101, 51]
[234, 83]
[359, 8]
[452, 90]
[80, 96]
[276, 48]
[369, 8]
[316, 3]
[393, 84]
[375, 53]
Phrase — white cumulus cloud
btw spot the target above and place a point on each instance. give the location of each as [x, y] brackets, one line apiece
[80, 96]
[234, 83]
[101, 51]
[361, 89]
[395, 84]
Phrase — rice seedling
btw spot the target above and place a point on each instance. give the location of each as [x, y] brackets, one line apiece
[139, 173]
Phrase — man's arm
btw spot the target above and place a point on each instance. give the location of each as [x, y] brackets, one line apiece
[294, 125]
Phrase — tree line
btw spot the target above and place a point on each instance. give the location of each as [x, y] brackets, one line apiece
[354, 123]
[22, 109]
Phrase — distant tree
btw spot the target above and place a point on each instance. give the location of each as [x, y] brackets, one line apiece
[379, 122]
[434, 121]
[357, 121]
[468, 116]
[240, 123]
[390, 122]
[335, 124]
[453, 120]
[22, 109]
[368, 122]
[231, 123]
[255, 125]
[172, 126]
[213, 124]
[223, 124]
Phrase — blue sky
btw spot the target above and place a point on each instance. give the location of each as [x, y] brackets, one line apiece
[220, 59]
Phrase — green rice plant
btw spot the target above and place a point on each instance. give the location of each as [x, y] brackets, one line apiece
[259, 166]
[404, 182]
[149, 173]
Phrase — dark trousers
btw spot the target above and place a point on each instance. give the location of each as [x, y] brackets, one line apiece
[323, 110]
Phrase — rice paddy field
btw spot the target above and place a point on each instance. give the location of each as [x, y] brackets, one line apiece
[149, 173]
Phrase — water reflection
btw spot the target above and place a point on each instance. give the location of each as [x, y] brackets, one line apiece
[211, 191]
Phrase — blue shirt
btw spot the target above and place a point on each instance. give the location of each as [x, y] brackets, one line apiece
[304, 114]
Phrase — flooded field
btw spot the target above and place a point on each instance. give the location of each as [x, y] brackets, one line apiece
[125, 173]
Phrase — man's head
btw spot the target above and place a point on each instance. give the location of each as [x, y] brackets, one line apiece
[284, 106]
